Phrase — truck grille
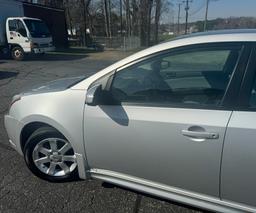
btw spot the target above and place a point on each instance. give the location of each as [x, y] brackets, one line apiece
[44, 45]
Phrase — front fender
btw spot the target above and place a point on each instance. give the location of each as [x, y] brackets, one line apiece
[77, 145]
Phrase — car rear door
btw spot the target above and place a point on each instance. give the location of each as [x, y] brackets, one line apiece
[238, 176]
[169, 118]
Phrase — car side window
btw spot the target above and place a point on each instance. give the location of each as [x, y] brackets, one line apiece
[197, 76]
[12, 25]
[21, 28]
[252, 102]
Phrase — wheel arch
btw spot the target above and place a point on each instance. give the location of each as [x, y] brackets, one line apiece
[11, 46]
[32, 122]
[29, 129]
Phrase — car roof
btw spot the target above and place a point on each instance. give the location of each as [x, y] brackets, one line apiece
[23, 17]
[219, 32]
[246, 35]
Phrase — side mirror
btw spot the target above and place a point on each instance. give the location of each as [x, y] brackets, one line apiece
[97, 96]
[93, 95]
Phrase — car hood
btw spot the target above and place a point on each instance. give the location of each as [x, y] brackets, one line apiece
[55, 86]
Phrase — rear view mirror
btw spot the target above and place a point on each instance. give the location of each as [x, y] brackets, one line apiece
[93, 95]
[165, 64]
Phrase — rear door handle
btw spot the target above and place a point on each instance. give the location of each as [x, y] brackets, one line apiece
[200, 135]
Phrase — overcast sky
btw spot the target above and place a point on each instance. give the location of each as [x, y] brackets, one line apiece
[217, 8]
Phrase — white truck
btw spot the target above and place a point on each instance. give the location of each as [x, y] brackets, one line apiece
[21, 35]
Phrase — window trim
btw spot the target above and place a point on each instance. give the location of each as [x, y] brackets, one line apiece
[232, 89]
[249, 77]
[181, 49]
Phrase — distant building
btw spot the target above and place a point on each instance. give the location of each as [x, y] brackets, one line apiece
[50, 3]
[53, 14]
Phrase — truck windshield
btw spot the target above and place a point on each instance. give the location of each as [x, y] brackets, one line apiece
[37, 28]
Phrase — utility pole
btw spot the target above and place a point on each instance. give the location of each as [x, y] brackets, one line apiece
[206, 15]
[85, 22]
[187, 9]
[179, 18]
[121, 17]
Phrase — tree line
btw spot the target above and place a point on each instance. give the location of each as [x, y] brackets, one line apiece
[112, 18]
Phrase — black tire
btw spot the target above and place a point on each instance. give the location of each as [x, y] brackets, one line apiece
[39, 135]
[18, 53]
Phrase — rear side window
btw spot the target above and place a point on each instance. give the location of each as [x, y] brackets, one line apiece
[197, 76]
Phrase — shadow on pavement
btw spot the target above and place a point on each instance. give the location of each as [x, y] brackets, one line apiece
[5, 74]
[6, 147]
[55, 57]
[59, 55]
[77, 50]
[63, 55]
[139, 196]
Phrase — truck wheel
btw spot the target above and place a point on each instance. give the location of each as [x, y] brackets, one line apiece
[17, 53]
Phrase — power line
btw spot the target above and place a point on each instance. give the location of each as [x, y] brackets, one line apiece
[198, 9]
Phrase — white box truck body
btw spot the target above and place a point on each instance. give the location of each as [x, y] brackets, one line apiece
[21, 35]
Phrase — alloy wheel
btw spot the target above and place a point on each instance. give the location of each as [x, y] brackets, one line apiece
[54, 157]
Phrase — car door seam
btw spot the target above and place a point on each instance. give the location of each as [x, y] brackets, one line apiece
[221, 157]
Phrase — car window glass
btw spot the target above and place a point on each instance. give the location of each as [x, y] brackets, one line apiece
[12, 25]
[21, 28]
[197, 77]
[252, 102]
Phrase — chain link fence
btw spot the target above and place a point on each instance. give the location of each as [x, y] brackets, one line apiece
[119, 43]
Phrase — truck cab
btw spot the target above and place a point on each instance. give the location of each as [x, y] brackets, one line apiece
[27, 36]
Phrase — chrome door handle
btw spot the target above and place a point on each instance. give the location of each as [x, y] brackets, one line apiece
[200, 135]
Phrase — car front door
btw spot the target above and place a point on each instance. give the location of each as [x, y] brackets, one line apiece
[167, 122]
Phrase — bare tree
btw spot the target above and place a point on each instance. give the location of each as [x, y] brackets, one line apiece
[109, 19]
[157, 19]
[128, 17]
[135, 18]
[85, 4]
[145, 21]
[106, 16]
[68, 16]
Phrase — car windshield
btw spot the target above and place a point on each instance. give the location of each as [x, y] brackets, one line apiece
[37, 28]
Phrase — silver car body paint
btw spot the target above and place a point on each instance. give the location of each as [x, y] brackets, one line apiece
[97, 155]
[147, 142]
[239, 158]
[172, 193]
[50, 108]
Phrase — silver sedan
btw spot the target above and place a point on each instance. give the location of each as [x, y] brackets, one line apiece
[176, 120]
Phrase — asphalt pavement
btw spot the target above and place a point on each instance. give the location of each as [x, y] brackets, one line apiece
[20, 190]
